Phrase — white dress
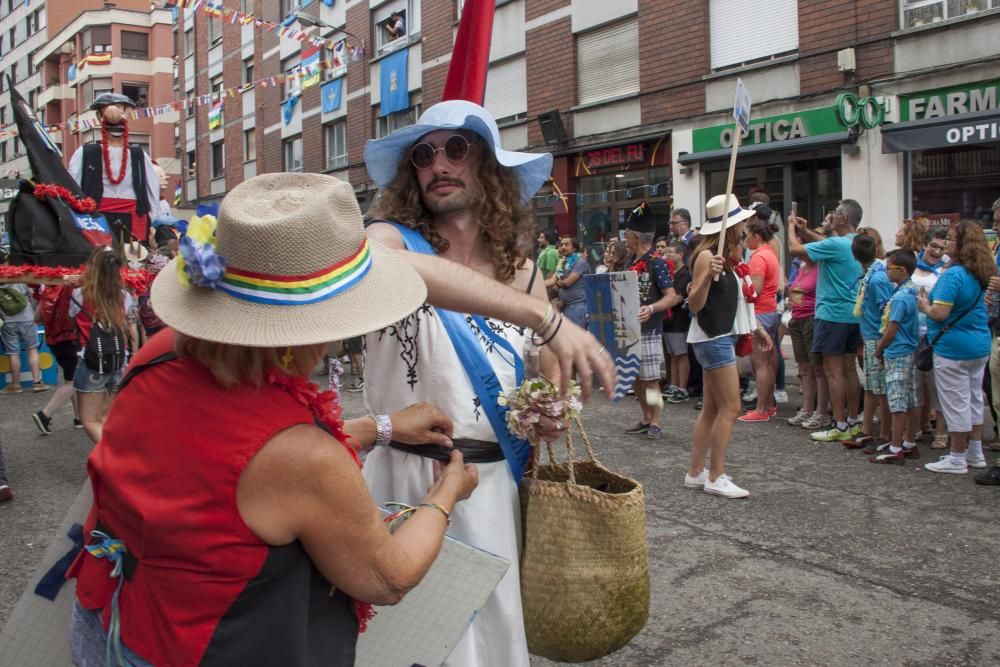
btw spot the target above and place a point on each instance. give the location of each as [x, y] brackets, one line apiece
[414, 361]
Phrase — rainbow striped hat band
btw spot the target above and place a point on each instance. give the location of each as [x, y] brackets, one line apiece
[298, 290]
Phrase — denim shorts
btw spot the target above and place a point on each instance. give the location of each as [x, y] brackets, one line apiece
[716, 353]
[90, 382]
[19, 336]
[771, 323]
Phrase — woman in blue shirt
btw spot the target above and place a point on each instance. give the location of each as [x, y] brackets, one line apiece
[955, 307]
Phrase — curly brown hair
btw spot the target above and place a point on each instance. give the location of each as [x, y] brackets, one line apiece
[506, 225]
[972, 251]
[914, 234]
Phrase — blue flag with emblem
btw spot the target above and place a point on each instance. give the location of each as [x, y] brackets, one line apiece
[288, 108]
[331, 94]
[395, 94]
[613, 307]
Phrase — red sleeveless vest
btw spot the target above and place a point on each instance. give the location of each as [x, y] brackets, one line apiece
[205, 589]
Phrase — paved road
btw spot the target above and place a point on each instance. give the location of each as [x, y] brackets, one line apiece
[831, 561]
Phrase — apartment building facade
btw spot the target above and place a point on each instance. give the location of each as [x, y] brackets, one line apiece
[39, 41]
[891, 102]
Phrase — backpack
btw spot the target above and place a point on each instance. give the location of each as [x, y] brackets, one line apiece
[53, 314]
[12, 300]
[105, 350]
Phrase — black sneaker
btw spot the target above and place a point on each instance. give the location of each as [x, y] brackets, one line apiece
[679, 396]
[989, 478]
[699, 403]
[43, 423]
[654, 432]
[356, 386]
[77, 423]
[638, 428]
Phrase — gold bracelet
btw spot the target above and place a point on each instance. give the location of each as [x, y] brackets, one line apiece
[547, 319]
[447, 514]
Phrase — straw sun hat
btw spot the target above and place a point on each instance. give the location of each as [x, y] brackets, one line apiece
[714, 210]
[296, 269]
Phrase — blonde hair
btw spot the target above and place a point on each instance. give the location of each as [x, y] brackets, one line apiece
[914, 234]
[875, 236]
[232, 365]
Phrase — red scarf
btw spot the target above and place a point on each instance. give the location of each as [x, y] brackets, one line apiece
[326, 410]
[742, 272]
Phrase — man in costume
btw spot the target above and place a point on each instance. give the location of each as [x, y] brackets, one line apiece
[656, 298]
[449, 188]
[120, 177]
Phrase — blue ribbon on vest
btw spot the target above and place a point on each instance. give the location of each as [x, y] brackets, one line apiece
[477, 366]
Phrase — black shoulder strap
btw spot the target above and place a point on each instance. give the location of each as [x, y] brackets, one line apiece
[136, 369]
[955, 321]
[534, 272]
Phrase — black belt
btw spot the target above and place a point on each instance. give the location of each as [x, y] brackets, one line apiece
[473, 451]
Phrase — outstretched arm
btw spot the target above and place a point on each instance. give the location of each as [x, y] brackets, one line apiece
[456, 287]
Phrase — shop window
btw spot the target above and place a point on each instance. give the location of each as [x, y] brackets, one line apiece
[394, 121]
[955, 183]
[137, 92]
[394, 22]
[218, 159]
[135, 45]
[336, 145]
[249, 145]
[97, 40]
[916, 13]
[727, 20]
[293, 154]
[608, 62]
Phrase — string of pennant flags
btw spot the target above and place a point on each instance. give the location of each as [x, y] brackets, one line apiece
[236, 17]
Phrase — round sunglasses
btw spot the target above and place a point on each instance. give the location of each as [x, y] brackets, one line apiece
[456, 149]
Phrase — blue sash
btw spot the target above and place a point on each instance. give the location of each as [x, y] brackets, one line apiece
[477, 366]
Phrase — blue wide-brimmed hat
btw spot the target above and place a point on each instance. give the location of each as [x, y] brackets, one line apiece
[382, 156]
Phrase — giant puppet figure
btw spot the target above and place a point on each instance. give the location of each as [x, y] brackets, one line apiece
[118, 176]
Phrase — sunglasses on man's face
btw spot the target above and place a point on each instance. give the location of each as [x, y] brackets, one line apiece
[456, 149]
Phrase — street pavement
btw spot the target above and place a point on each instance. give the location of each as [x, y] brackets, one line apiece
[831, 561]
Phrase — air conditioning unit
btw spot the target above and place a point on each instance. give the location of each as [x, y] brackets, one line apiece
[846, 60]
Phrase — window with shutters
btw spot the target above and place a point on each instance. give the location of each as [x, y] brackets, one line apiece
[607, 62]
[506, 91]
[734, 46]
[336, 144]
[135, 45]
[97, 40]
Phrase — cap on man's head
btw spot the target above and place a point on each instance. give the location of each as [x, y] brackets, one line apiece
[640, 220]
[382, 156]
[107, 99]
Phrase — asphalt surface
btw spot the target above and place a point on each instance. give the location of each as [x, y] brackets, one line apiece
[831, 561]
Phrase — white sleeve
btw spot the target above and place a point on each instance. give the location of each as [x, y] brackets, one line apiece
[152, 184]
[76, 166]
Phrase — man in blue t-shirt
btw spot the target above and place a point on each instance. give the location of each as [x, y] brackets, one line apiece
[836, 332]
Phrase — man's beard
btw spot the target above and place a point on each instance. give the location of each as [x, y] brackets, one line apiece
[458, 200]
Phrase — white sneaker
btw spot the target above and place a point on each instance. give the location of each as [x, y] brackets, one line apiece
[780, 396]
[751, 394]
[973, 461]
[723, 486]
[945, 464]
[799, 417]
[816, 421]
[696, 482]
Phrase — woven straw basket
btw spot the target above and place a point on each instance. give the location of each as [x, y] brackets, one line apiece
[584, 573]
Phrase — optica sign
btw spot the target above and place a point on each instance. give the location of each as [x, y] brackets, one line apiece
[768, 129]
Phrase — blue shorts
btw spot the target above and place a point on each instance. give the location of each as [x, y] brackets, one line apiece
[771, 323]
[91, 382]
[836, 337]
[716, 353]
[19, 336]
